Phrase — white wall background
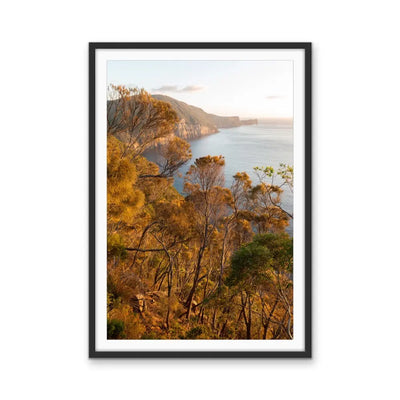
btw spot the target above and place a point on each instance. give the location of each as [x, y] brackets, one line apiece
[43, 164]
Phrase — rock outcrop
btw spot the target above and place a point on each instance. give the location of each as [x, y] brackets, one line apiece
[249, 122]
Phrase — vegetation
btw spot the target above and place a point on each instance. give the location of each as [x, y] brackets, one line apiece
[214, 263]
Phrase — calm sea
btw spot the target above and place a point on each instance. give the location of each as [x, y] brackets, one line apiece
[244, 148]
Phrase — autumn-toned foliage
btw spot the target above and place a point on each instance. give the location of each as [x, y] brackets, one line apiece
[211, 263]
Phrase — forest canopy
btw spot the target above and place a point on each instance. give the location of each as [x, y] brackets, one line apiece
[214, 262]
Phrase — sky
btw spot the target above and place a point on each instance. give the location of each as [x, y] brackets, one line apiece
[248, 89]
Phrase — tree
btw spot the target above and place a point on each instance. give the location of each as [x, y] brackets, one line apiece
[203, 183]
[173, 155]
[241, 216]
[263, 269]
[123, 198]
[276, 295]
[248, 266]
[268, 177]
[138, 119]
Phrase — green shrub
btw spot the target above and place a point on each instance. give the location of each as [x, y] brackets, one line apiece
[115, 329]
[194, 332]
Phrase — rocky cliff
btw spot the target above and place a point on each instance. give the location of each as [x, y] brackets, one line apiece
[190, 131]
[195, 122]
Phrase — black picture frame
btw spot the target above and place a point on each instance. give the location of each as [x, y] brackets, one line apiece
[307, 352]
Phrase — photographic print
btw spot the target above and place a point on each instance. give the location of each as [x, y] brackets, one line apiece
[200, 199]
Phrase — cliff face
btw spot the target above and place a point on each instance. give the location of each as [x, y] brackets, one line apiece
[193, 131]
[195, 122]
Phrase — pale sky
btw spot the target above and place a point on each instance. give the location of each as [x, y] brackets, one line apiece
[248, 89]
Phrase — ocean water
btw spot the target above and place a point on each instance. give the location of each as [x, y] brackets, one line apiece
[244, 148]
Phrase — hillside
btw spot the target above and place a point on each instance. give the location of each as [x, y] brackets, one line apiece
[195, 122]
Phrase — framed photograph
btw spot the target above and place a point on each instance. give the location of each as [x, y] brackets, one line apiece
[200, 200]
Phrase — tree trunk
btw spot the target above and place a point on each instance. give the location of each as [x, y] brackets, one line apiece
[222, 260]
[266, 325]
[246, 318]
[189, 300]
[249, 320]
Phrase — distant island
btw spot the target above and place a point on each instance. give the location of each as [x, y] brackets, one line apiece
[195, 122]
